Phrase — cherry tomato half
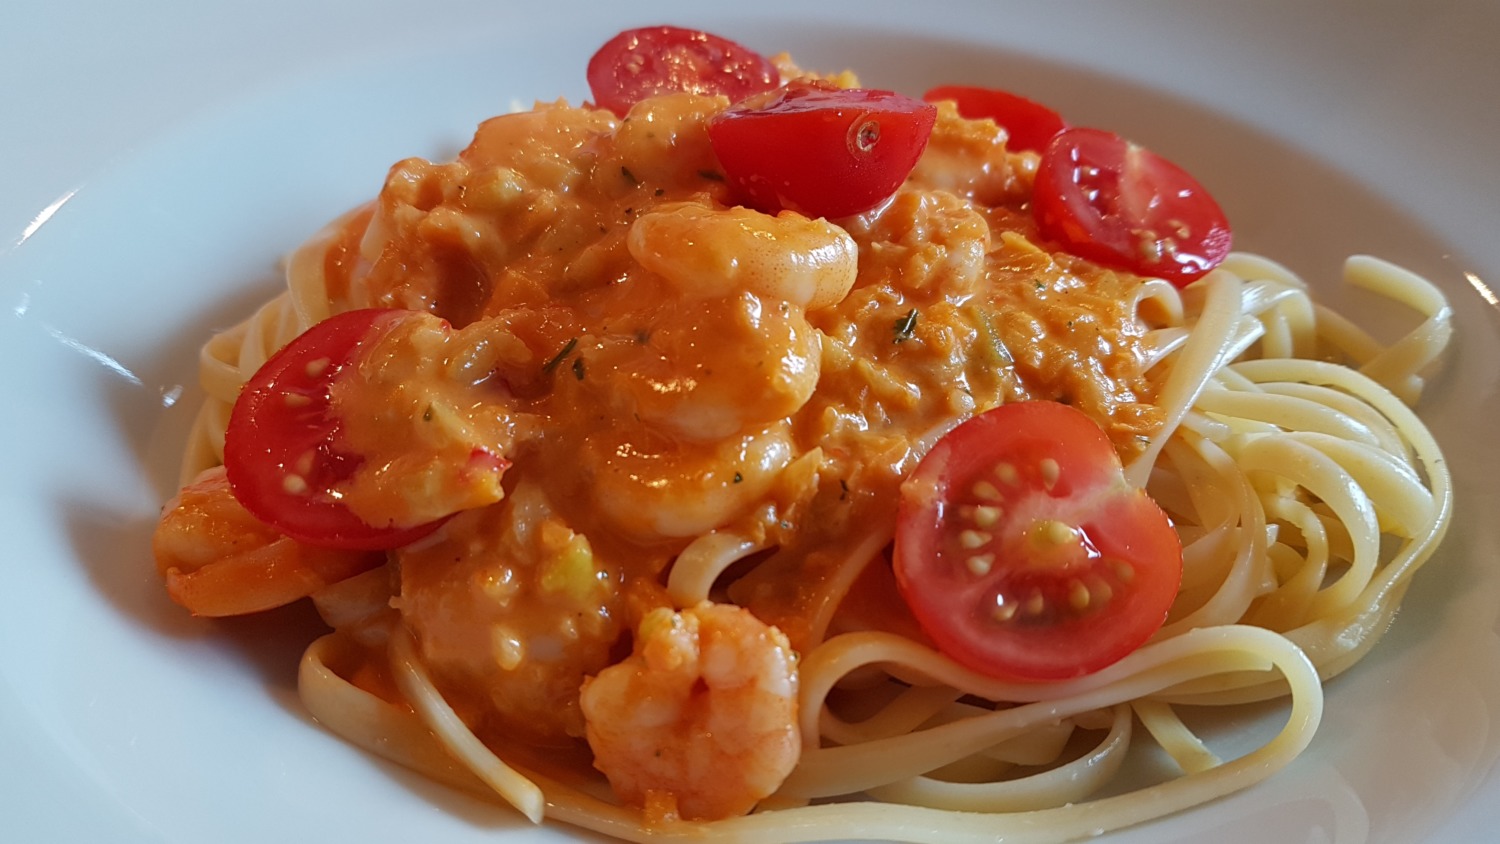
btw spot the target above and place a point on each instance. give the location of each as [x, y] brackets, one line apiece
[1121, 205]
[1029, 124]
[820, 150]
[281, 451]
[641, 63]
[1023, 553]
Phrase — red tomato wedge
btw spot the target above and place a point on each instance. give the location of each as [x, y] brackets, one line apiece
[641, 63]
[281, 450]
[820, 150]
[1029, 124]
[1024, 554]
[1118, 204]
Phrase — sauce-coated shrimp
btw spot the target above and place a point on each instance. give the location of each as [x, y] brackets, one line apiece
[709, 252]
[511, 609]
[718, 367]
[219, 560]
[652, 487]
[702, 715]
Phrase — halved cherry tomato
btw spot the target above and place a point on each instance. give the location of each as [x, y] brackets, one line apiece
[820, 150]
[1025, 555]
[281, 450]
[641, 63]
[1029, 124]
[1119, 204]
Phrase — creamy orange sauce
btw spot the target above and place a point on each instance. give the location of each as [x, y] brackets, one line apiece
[650, 384]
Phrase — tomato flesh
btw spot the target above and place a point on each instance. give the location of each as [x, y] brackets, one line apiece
[820, 150]
[1121, 205]
[1024, 554]
[1029, 124]
[641, 63]
[282, 452]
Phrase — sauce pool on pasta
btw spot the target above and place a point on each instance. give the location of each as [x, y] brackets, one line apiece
[791, 461]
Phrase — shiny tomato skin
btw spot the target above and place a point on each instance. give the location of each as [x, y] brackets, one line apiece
[1118, 204]
[645, 62]
[281, 450]
[1049, 569]
[820, 150]
[1029, 124]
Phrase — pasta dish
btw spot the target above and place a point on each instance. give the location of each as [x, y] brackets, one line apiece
[749, 454]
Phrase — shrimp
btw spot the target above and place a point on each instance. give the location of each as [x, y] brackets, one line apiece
[718, 367]
[219, 560]
[711, 252]
[511, 608]
[651, 487]
[702, 717]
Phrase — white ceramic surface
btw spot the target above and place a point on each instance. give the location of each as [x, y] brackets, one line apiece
[156, 159]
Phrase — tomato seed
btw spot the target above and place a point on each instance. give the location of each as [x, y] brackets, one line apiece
[294, 484]
[304, 464]
[986, 491]
[1050, 473]
[1036, 604]
[1057, 533]
[1100, 591]
[1007, 474]
[1004, 610]
[866, 135]
[971, 539]
[1078, 595]
[980, 564]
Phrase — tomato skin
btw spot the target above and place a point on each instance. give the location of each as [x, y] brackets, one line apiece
[1029, 124]
[641, 63]
[1070, 569]
[1121, 205]
[283, 426]
[820, 150]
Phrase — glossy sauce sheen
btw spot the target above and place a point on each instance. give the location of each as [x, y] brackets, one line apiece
[658, 366]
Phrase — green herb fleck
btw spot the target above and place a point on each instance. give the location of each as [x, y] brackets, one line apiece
[629, 176]
[906, 326]
[427, 414]
[738, 477]
[558, 358]
[578, 368]
[993, 346]
[711, 175]
[660, 191]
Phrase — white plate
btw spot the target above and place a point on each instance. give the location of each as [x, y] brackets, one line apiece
[156, 158]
